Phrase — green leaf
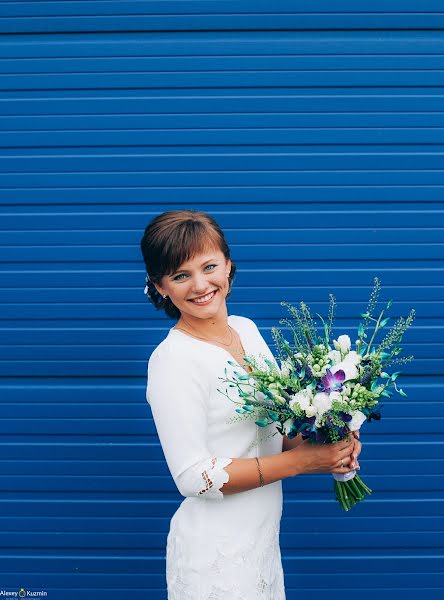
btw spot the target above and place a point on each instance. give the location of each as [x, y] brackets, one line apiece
[386, 394]
[384, 322]
[262, 422]
[240, 411]
[325, 329]
[232, 363]
[395, 375]
[365, 315]
[360, 330]
[402, 393]
[248, 408]
[385, 375]
[389, 303]
[273, 415]
[269, 364]
[384, 355]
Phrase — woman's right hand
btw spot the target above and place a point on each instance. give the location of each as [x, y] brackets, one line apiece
[324, 458]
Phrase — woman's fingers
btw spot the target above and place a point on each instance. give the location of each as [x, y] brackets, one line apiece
[357, 448]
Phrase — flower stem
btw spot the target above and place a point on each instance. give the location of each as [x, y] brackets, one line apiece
[362, 485]
[374, 333]
[348, 493]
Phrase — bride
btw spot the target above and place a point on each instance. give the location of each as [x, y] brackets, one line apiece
[223, 540]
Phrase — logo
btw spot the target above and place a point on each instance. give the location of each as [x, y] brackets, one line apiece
[23, 593]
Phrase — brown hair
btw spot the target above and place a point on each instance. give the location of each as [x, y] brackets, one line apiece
[174, 237]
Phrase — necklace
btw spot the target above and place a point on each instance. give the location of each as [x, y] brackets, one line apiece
[238, 349]
[207, 340]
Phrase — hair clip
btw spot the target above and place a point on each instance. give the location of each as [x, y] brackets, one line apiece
[146, 290]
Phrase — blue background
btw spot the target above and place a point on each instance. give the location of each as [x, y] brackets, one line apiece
[313, 133]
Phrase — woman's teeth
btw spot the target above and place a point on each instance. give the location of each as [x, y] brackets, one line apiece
[204, 299]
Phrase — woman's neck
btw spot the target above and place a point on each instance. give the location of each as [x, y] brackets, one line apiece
[214, 327]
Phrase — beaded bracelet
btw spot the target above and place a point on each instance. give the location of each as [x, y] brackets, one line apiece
[261, 479]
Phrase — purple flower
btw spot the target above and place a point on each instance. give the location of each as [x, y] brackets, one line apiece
[344, 416]
[332, 382]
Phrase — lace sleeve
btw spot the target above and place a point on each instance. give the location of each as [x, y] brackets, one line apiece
[213, 476]
[177, 396]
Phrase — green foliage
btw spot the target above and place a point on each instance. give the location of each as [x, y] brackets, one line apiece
[372, 302]
[394, 336]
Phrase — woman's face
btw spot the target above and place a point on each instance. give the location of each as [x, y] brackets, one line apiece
[203, 275]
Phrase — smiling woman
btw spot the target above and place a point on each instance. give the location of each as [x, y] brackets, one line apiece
[168, 244]
[222, 467]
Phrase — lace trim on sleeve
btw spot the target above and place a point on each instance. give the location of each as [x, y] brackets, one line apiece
[213, 478]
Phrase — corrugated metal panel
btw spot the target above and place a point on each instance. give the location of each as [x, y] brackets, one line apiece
[313, 134]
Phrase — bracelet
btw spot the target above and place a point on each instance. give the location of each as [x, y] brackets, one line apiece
[261, 479]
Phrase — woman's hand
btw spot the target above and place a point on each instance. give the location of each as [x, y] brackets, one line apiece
[356, 450]
[326, 458]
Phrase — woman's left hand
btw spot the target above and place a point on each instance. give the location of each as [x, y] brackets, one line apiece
[356, 449]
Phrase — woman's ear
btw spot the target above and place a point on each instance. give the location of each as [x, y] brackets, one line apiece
[159, 288]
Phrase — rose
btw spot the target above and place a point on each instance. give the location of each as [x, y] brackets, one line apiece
[358, 419]
[322, 401]
[343, 344]
[304, 400]
[334, 356]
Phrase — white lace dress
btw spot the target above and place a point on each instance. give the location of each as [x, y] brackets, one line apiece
[219, 546]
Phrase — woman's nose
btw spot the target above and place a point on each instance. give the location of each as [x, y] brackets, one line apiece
[200, 284]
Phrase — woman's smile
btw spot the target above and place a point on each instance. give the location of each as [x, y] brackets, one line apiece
[204, 300]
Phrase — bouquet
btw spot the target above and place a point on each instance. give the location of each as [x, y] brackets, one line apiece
[324, 389]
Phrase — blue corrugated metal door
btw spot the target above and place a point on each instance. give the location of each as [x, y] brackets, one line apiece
[313, 132]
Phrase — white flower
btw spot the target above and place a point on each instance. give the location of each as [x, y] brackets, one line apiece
[357, 420]
[285, 368]
[346, 391]
[335, 397]
[343, 344]
[287, 426]
[335, 356]
[354, 357]
[322, 403]
[304, 400]
[351, 372]
[348, 365]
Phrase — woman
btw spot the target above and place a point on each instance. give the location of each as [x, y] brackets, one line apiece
[223, 540]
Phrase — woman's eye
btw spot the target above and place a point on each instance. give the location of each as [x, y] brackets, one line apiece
[178, 277]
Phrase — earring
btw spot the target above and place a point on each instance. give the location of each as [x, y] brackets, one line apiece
[164, 296]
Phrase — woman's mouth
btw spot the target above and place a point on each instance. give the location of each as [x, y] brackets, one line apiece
[204, 300]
